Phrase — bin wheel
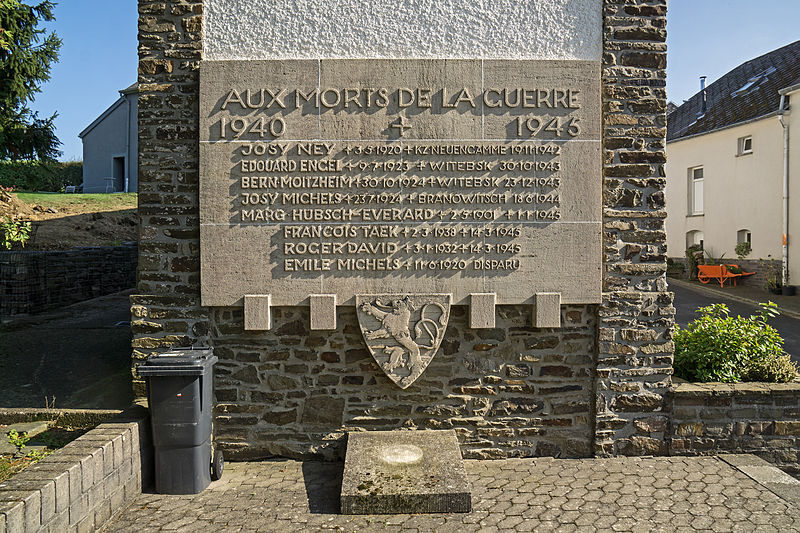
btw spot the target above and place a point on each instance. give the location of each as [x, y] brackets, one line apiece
[217, 465]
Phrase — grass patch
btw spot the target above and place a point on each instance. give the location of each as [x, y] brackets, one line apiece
[87, 203]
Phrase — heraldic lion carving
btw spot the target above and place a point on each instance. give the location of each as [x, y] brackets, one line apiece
[408, 333]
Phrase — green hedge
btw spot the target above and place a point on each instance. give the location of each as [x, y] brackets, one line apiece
[40, 176]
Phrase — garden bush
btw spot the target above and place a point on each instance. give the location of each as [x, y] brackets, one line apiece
[40, 175]
[719, 347]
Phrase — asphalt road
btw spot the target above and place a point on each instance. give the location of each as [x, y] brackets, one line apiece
[76, 357]
[687, 301]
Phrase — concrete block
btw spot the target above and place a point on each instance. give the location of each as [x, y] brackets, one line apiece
[393, 472]
[547, 310]
[60, 523]
[111, 483]
[481, 310]
[257, 316]
[48, 501]
[14, 514]
[59, 477]
[85, 524]
[117, 499]
[102, 513]
[23, 509]
[119, 452]
[323, 311]
[78, 509]
[131, 489]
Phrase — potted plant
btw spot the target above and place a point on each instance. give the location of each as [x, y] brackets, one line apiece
[742, 250]
[694, 256]
[770, 276]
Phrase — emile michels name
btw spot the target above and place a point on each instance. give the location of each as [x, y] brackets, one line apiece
[402, 97]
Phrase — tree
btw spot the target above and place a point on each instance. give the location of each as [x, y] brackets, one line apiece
[26, 52]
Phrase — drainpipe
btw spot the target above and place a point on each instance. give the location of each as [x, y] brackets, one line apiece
[128, 143]
[785, 249]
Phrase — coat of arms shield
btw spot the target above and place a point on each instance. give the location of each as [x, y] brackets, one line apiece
[403, 332]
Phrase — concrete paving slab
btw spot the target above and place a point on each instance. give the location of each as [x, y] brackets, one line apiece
[31, 429]
[394, 472]
[767, 475]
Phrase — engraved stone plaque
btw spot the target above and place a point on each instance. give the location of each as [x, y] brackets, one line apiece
[434, 176]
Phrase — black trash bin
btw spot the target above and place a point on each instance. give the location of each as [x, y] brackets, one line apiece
[180, 387]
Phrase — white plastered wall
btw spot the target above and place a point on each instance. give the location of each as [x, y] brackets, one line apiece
[743, 192]
[533, 29]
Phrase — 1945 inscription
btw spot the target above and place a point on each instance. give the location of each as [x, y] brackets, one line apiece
[335, 177]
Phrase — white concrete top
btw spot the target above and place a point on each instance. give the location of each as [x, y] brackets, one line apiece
[534, 29]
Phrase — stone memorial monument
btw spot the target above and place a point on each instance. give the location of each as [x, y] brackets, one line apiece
[410, 216]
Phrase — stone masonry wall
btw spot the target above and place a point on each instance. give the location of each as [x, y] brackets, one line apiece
[634, 362]
[511, 391]
[758, 418]
[166, 311]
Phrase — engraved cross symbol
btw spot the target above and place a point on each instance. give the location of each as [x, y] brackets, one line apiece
[401, 126]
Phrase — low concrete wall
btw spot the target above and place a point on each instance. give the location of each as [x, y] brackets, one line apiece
[31, 281]
[758, 418]
[81, 486]
[71, 417]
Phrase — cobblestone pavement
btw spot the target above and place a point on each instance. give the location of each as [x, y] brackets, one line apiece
[622, 494]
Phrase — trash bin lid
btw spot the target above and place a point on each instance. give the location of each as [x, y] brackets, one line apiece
[179, 363]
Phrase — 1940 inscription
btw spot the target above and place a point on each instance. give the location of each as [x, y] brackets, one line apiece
[384, 176]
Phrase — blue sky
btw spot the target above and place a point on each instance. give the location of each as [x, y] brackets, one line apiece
[98, 57]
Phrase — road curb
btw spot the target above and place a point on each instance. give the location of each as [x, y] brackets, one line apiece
[712, 292]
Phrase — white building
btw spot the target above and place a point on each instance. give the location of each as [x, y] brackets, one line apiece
[733, 163]
[110, 145]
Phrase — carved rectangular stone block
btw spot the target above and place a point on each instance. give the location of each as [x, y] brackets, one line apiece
[482, 310]
[385, 176]
[547, 310]
[257, 314]
[394, 472]
[323, 311]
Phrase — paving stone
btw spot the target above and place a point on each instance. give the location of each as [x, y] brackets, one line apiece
[292, 496]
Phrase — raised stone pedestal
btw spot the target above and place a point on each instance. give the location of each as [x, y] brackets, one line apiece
[393, 472]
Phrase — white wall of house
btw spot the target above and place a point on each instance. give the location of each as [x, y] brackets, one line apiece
[110, 148]
[740, 191]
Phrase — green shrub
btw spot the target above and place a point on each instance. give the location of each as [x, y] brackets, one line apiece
[13, 232]
[40, 175]
[718, 347]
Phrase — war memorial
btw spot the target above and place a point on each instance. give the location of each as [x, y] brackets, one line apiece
[404, 264]
[426, 217]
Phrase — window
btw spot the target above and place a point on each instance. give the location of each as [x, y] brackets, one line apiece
[694, 238]
[695, 195]
[744, 235]
[753, 82]
[745, 145]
